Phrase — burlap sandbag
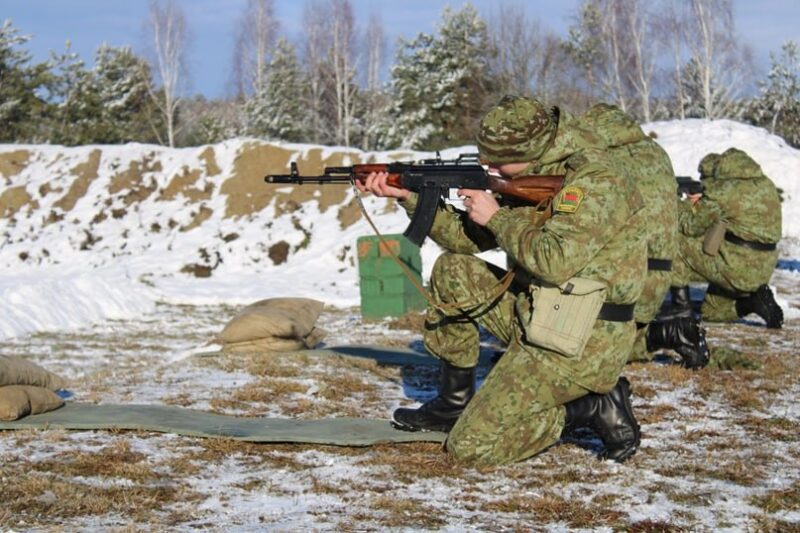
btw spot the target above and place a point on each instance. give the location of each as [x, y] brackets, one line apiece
[274, 344]
[17, 401]
[278, 318]
[18, 371]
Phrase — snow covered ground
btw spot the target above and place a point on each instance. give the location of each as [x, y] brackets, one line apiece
[122, 245]
[93, 288]
[720, 449]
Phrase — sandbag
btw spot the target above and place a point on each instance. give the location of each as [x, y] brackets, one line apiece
[281, 318]
[274, 344]
[18, 371]
[17, 401]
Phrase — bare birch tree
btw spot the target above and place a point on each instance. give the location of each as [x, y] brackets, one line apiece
[316, 25]
[596, 44]
[612, 30]
[642, 49]
[517, 41]
[528, 56]
[256, 35]
[375, 42]
[614, 43]
[674, 22]
[166, 26]
[722, 64]
[343, 62]
[376, 50]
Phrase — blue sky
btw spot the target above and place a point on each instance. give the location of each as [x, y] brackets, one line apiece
[764, 24]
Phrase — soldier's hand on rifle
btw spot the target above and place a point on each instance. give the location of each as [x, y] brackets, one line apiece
[480, 205]
[376, 183]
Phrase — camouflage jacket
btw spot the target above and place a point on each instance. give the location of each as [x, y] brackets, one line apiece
[594, 232]
[649, 166]
[739, 193]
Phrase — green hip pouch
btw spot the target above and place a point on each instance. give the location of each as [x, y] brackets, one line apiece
[713, 238]
[561, 317]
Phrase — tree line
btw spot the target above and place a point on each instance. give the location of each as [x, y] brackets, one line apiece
[657, 60]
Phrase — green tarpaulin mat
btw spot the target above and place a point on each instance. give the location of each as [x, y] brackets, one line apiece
[181, 421]
[381, 354]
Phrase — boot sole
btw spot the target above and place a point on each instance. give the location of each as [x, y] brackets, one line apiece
[402, 426]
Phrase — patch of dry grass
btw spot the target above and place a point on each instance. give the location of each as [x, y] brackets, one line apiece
[772, 428]
[114, 461]
[392, 511]
[553, 507]
[767, 524]
[655, 526]
[772, 501]
[743, 472]
[413, 461]
[113, 479]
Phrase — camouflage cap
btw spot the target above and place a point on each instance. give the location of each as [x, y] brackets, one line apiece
[517, 129]
[735, 163]
[708, 165]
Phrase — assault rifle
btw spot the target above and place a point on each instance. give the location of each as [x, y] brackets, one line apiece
[687, 185]
[432, 179]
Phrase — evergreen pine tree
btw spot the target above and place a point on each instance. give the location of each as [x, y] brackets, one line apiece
[106, 105]
[120, 80]
[276, 111]
[441, 83]
[778, 106]
[73, 117]
[21, 107]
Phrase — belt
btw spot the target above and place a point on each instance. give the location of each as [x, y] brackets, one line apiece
[616, 312]
[760, 246]
[664, 265]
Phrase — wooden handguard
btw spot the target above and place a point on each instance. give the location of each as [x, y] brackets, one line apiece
[533, 189]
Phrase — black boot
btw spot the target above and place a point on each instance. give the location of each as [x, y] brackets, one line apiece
[684, 335]
[456, 388]
[611, 417]
[681, 306]
[762, 303]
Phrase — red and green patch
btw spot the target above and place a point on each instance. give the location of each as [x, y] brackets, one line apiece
[569, 200]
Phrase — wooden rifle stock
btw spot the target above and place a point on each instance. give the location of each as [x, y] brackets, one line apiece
[532, 189]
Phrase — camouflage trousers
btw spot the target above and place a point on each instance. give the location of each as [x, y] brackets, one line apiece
[735, 269]
[648, 305]
[518, 411]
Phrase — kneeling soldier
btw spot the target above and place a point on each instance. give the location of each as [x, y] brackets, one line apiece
[729, 238]
[567, 317]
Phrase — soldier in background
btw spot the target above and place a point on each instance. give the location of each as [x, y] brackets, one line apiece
[652, 170]
[592, 245]
[728, 238]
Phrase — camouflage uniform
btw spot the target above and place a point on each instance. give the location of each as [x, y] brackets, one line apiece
[738, 192]
[593, 233]
[652, 169]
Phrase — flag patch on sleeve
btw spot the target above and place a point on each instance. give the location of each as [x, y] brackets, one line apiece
[569, 200]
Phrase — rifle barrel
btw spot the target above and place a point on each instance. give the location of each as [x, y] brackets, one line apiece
[300, 180]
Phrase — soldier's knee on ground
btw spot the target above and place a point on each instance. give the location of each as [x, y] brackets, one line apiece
[472, 442]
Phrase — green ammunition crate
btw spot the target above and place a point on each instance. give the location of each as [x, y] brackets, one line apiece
[386, 290]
